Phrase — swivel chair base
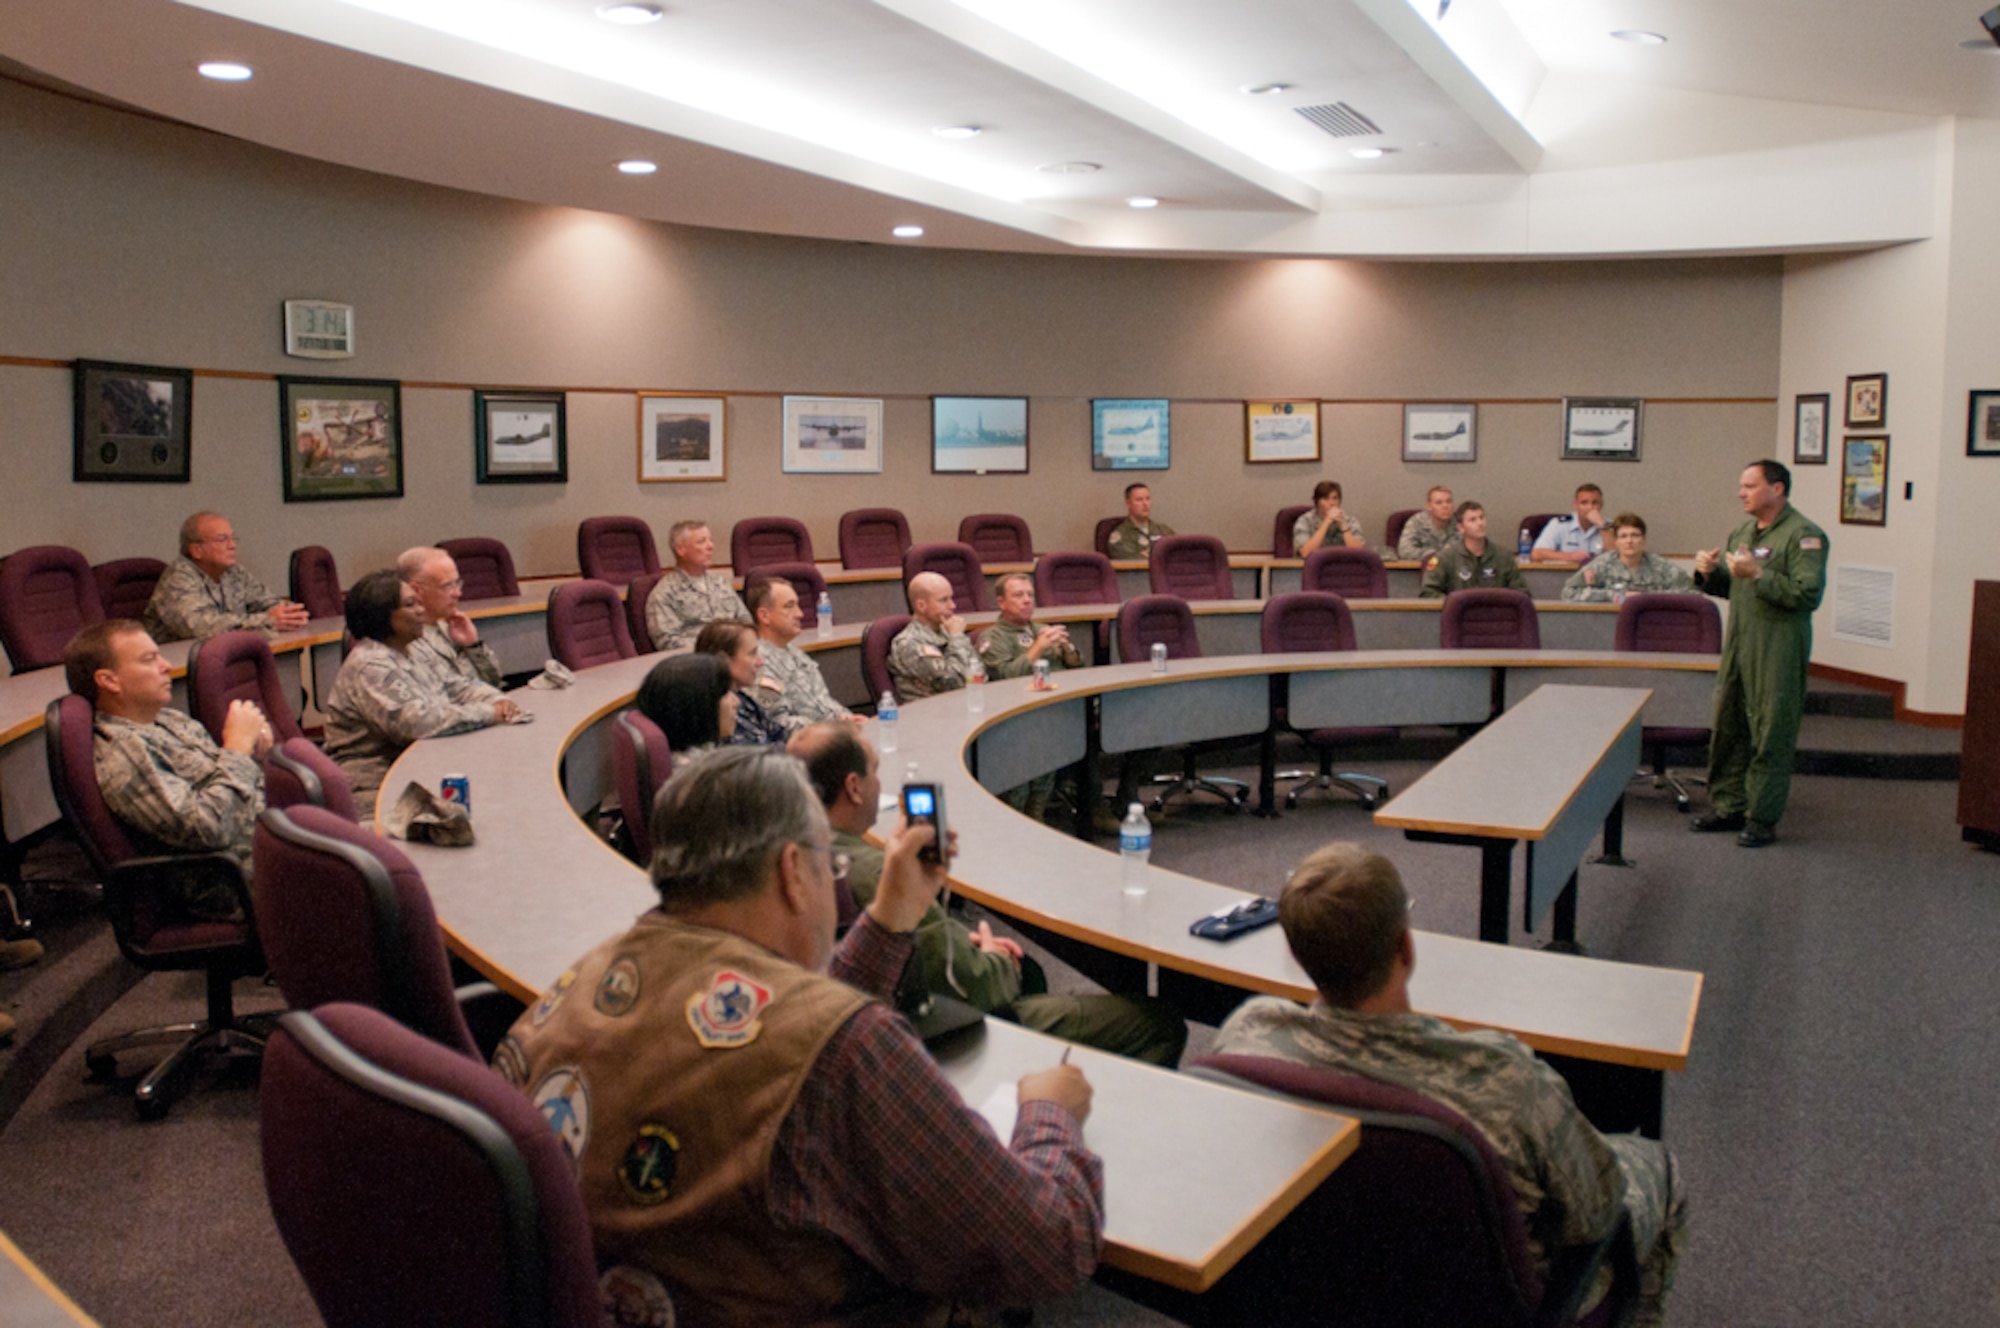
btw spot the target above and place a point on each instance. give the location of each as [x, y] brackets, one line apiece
[1233, 792]
[1368, 789]
[223, 1032]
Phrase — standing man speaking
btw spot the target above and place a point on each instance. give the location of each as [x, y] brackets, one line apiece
[1773, 572]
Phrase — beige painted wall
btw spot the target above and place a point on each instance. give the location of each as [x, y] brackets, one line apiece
[128, 239]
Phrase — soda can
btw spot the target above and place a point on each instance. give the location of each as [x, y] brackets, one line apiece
[1041, 675]
[1159, 656]
[458, 789]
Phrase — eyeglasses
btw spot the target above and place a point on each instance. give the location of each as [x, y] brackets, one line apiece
[216, 539]
[456, 583]
[840, 863]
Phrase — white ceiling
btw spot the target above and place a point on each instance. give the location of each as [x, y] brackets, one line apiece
[815, 117]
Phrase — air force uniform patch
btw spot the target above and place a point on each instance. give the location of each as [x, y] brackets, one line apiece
[725, 1015]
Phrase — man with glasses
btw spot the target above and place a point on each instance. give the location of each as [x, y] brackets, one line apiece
[203, 592]
[757, 1134]
[450, 643]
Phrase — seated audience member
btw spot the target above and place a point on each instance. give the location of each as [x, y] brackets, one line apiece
[689, 596]
[1010, 648]
[932, 654]
[159, 772]
[736, 645]
[764, 1135]
[693, 700]
[1326, 524]
[450, 643]
[1135, 534]
[1626, 569]
[204, 592]
[977, 967]
[1470, 562]
[1577, 537]
[1346, 919]
[790, 686]
[385, 698]
[1429, 530]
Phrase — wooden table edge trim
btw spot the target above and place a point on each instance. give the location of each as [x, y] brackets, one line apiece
[57, 1296]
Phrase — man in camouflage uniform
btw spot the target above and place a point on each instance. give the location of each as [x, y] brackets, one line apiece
[689, 596]
[450, 643]
[203, 592]
[1346, 919]
[1134, 536]
[1429, 530]
[790, 686]
[932, 654]
[1325, 525]
[1625, 568]
[978, 967]
[158, 770]
[1470, 562]
[1010, 649]
[1773, 572]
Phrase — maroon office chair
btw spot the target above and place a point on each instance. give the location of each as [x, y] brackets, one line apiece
[1348, 573]
[873, 537]
[1392, 533]
[642, 763]
[1669, 624]
[758, 541]
[1311, 621]
[316, 583]
[1100, 537]
[956, 563]
[807, 581]
[1079, 578]
[876, 639]
[614, 549]
[1421, 1225]
[485, 568]
[637, 591]
[586, 625]
[141, 892]
[1489, 620]
[1192, 567]
[125, 585]
[1281, 530]
[1148, 620]
[997, 537]
[1533, 524]
[237, 666]
[47, 596]
[298, 773]
[414, 1186]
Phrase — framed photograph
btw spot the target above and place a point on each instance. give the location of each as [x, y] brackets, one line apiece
[680, 438]
[131, 423]
[979, 435]
[520, 438]
[1131, 433]
[1281, 431]
[1601, 428]
[1440, 431]
[343, 438]
[1982, 424]
[833, 436]
[1809, 418]
[1864, 481]
[1868, 401]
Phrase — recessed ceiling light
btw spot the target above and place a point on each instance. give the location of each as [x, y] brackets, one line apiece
[637, 166]
[1638, 38]
[224, 71]
[630, 14]
[1068, 167]
[957, 131]
[908, 232]
[1365, 154]
[1142, 201]
[1266, 89]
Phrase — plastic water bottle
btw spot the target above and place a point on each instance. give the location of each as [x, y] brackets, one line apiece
[1135, 848]
[975, 687]
[885, 718]
[1527, 550]
[825, 627]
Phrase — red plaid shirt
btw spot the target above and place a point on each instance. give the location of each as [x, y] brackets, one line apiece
[880, 1152]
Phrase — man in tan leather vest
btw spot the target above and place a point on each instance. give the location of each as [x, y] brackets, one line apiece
[762, 1141]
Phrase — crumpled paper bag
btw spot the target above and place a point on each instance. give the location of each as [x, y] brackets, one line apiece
[420, 815]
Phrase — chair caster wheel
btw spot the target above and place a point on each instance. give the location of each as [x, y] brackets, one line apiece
[1291, 802]
[151, 1108]
[1683, 805]
[1157, 805]
[99, 1069]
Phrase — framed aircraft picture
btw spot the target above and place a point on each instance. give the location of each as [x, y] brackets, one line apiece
[519, 438]
[1440, 431]
[1601, 428]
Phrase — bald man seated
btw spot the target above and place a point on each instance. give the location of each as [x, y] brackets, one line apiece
[204, 592]
[933, 654]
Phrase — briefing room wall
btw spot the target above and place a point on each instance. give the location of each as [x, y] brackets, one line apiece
[454, 289]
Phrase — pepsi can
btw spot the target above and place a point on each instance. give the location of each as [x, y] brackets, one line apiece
[458, 789]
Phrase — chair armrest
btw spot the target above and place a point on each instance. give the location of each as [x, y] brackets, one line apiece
[136, 878]
[489, 1012]
[1573, 1272]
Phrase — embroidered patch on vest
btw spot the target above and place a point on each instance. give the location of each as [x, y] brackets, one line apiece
[564, 1102]
[646, 1172]
[726, 1014]
[634, 1298]
[553, 997]
[618, 989]
[510, 1062]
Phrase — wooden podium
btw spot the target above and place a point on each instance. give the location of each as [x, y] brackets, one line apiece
[1979, 749]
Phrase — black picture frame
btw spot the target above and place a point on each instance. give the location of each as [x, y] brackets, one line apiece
[1982, 423]
[340, 438]
[1602, 428]
[1812, 425]
[131, 423]
[537, 423]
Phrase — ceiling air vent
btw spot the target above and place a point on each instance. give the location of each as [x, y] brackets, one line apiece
[1339, 119]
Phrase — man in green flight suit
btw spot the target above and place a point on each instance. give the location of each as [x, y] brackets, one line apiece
[1773, 572]
[1471, 561]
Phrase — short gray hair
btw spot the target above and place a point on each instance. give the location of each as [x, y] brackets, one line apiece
[411, 562]
[721, 821]
[191, 529]
[680, 528]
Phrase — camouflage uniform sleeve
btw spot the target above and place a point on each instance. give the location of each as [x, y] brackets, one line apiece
[959, 652]
[917, 674]
[257, 598]
[1663, 575]
[1582, 1184]
[485, 665]
[661, 619]
[1303, 528]
[183, 610]
[1411, 547]
[178, 786]
[801, 696]
[389, 699]
[1581, 591]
